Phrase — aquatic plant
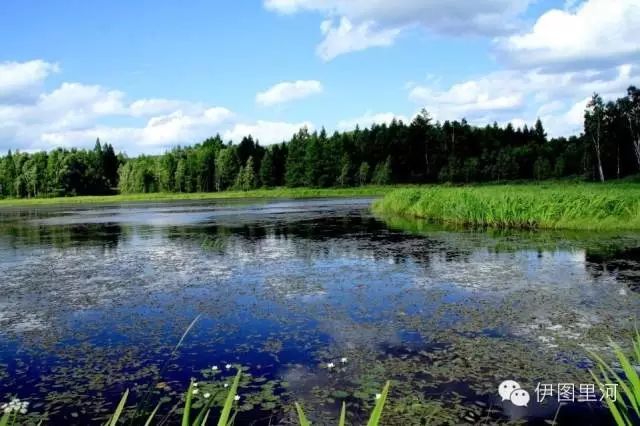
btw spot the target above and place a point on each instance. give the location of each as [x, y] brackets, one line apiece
[625, 407]
[11, 411]
[188, 419]
[550, 206]
[374, 419]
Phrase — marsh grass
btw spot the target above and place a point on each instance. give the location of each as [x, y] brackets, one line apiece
[374, 419]
[625, 409]
[548, 206]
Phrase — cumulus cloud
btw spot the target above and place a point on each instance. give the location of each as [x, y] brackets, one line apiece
[470, 97]
[267, 132]
[75, 114]
[373, 23]
[158, 106]
[19, 80]
[159, 132]
[368, 119]
[593, 32]
[453, 17]
[288, 91]
[557, 98]
[345, 38]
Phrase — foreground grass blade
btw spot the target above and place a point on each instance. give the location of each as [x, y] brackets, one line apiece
[153, 414]
[226, 410]
[119, 409]
[374, 420]
[187, 406]
[195, 320]
[302, 419]
[206, 417]
[204, 413]
[343, 414]
[606, 370]
[632, 377]
[613, 409]
[4, 420]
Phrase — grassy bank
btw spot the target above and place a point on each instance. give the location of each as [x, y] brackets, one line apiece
[612, 206]
[362, 191]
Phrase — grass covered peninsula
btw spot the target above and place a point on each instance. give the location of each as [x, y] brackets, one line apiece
[583, 206]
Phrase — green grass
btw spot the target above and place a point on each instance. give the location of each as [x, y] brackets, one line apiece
[361, 191]
[374, 419]
[583, 206]
[625, 408]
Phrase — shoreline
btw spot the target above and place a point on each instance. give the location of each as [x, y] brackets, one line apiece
[586, 206]
[364, 191]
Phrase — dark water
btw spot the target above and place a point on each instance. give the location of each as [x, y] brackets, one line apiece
[94, 299]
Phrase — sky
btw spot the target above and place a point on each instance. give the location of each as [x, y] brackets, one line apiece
[148, 75]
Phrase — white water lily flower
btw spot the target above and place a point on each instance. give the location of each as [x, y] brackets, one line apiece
[195, 384]
[378, 395]
[195, 391]
[214, 368]
[3, 406]
[7, 410]
[331, 365]
[207, 395]
[228, 366]
[236, 398]
[343, 359]
[226, 385]
[23, 411]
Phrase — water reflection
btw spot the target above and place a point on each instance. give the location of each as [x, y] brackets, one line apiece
[92, 301]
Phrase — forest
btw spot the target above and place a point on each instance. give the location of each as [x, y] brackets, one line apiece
[423, 151]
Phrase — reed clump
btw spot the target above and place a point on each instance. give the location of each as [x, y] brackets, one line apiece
[552, 206]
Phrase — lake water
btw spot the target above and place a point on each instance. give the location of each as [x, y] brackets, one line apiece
[94, 299]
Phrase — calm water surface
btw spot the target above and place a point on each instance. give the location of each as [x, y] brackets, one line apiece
[93, 300]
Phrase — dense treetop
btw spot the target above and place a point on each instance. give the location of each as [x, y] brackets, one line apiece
[417, 152]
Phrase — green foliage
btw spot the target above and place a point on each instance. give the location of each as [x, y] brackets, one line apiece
[376, 415]
[374, 419]
[382, 173]
[363, 173]
[116, 415]
[422, 151]
[227, 168]
[625, 408]
[582, 206]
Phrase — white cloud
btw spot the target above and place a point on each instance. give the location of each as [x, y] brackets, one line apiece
[74, 114]
[453, 17]
[500, 96]
[157, 106]
[595, 31]
[19, 79]
[288, 91]
[368, 119]
[346, 37]
[374, 23]
[470, 98]
[160, 132]
[267, 132]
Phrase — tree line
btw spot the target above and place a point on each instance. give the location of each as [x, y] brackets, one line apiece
[421, 151]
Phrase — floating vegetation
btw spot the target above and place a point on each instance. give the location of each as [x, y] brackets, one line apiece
[319, 302]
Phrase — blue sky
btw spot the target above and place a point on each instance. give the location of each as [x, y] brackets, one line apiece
[148, 75]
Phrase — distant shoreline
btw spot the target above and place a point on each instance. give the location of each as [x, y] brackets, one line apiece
[363, 191]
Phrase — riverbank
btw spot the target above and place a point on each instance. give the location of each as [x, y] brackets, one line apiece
[583, 206]
[361, 191]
